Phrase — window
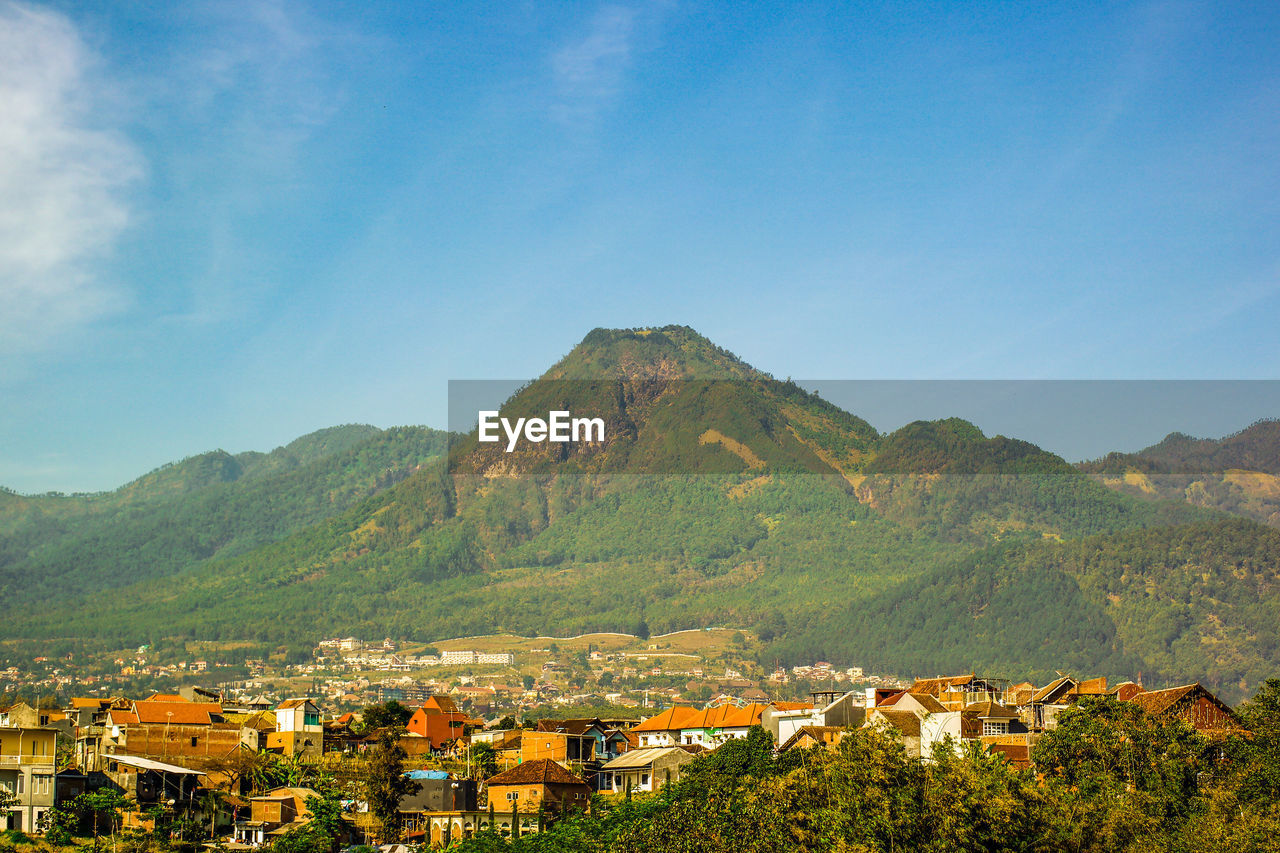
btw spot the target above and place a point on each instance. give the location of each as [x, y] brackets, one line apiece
[644, 779]
[21, 782]
[193, 740]
[512, 796]
[41, 784]
[309, 719]
[995, 727]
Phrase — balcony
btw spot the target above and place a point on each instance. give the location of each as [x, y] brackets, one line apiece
[37, 763]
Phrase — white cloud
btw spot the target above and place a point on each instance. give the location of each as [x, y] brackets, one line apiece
[589, 70]
[64, 177]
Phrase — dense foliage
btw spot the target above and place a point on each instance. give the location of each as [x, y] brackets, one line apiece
[1110, 778]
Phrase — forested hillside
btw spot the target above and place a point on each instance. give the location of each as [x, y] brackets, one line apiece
[1239, 474]
[59, 547]
[720, 496]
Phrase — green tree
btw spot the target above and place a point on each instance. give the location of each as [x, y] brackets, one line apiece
[483, 760]
[385, 784]
[389, 714]
[1256, 756]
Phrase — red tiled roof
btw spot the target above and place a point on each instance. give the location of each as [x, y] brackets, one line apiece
[540, 771]
[1159, 701]
[938, 685]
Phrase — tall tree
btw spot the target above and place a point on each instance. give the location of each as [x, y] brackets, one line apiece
[385, 783]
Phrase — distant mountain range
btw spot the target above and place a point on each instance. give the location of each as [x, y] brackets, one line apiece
[720, 496]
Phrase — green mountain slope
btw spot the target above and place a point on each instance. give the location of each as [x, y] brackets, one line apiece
[721, 496]
[1238, 474]
[213, 505]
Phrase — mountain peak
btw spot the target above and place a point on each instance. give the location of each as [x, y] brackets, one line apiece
[666, 352]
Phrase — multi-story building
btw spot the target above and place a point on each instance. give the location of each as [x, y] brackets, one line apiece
[27, 765]
[299, 730]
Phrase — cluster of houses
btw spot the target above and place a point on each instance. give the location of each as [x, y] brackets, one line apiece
[168, 748]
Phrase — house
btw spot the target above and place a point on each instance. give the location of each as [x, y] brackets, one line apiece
[957, 691]
[272, 815]
[151, 782]
[645, 769]
[563, 741]
[807, 737]
[663, 729]
[439, 794]
[918, 703]
[1125, 690]
[711, 727]
[1191, 703]
[23, 715]
[534, 784]
[1064, 691]
[165, 730]
[784, 719]
[610, 742]
[438, 720]
[906, 724]
[506, 744]
[299, 730]
[255, 728]
[27, 764]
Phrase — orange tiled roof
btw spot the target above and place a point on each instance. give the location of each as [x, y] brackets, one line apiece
[793, 706]
[444, 704]
[85, 702]
[177, 713]
[926, 701]
[725, 716]
[1046, 692]
[540, 771]
[165, 697]
[671, 719]
[990, 711]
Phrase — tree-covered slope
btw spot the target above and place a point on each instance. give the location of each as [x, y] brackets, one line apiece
[59, 547]
[1238, 474]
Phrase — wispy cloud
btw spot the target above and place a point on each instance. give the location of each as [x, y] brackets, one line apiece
[589, 69]
[64, 180]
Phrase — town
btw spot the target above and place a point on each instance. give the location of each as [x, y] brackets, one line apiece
[507, 743]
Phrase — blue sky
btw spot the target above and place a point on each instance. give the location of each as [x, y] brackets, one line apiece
[225, 224]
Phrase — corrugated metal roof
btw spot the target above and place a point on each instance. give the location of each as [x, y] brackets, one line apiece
[642, 757]
[148, 764]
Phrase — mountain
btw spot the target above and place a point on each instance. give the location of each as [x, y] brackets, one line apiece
[720, 495]
[1238, 474]
[57, 548]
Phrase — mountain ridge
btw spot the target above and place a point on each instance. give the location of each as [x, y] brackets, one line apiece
[728, 497]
